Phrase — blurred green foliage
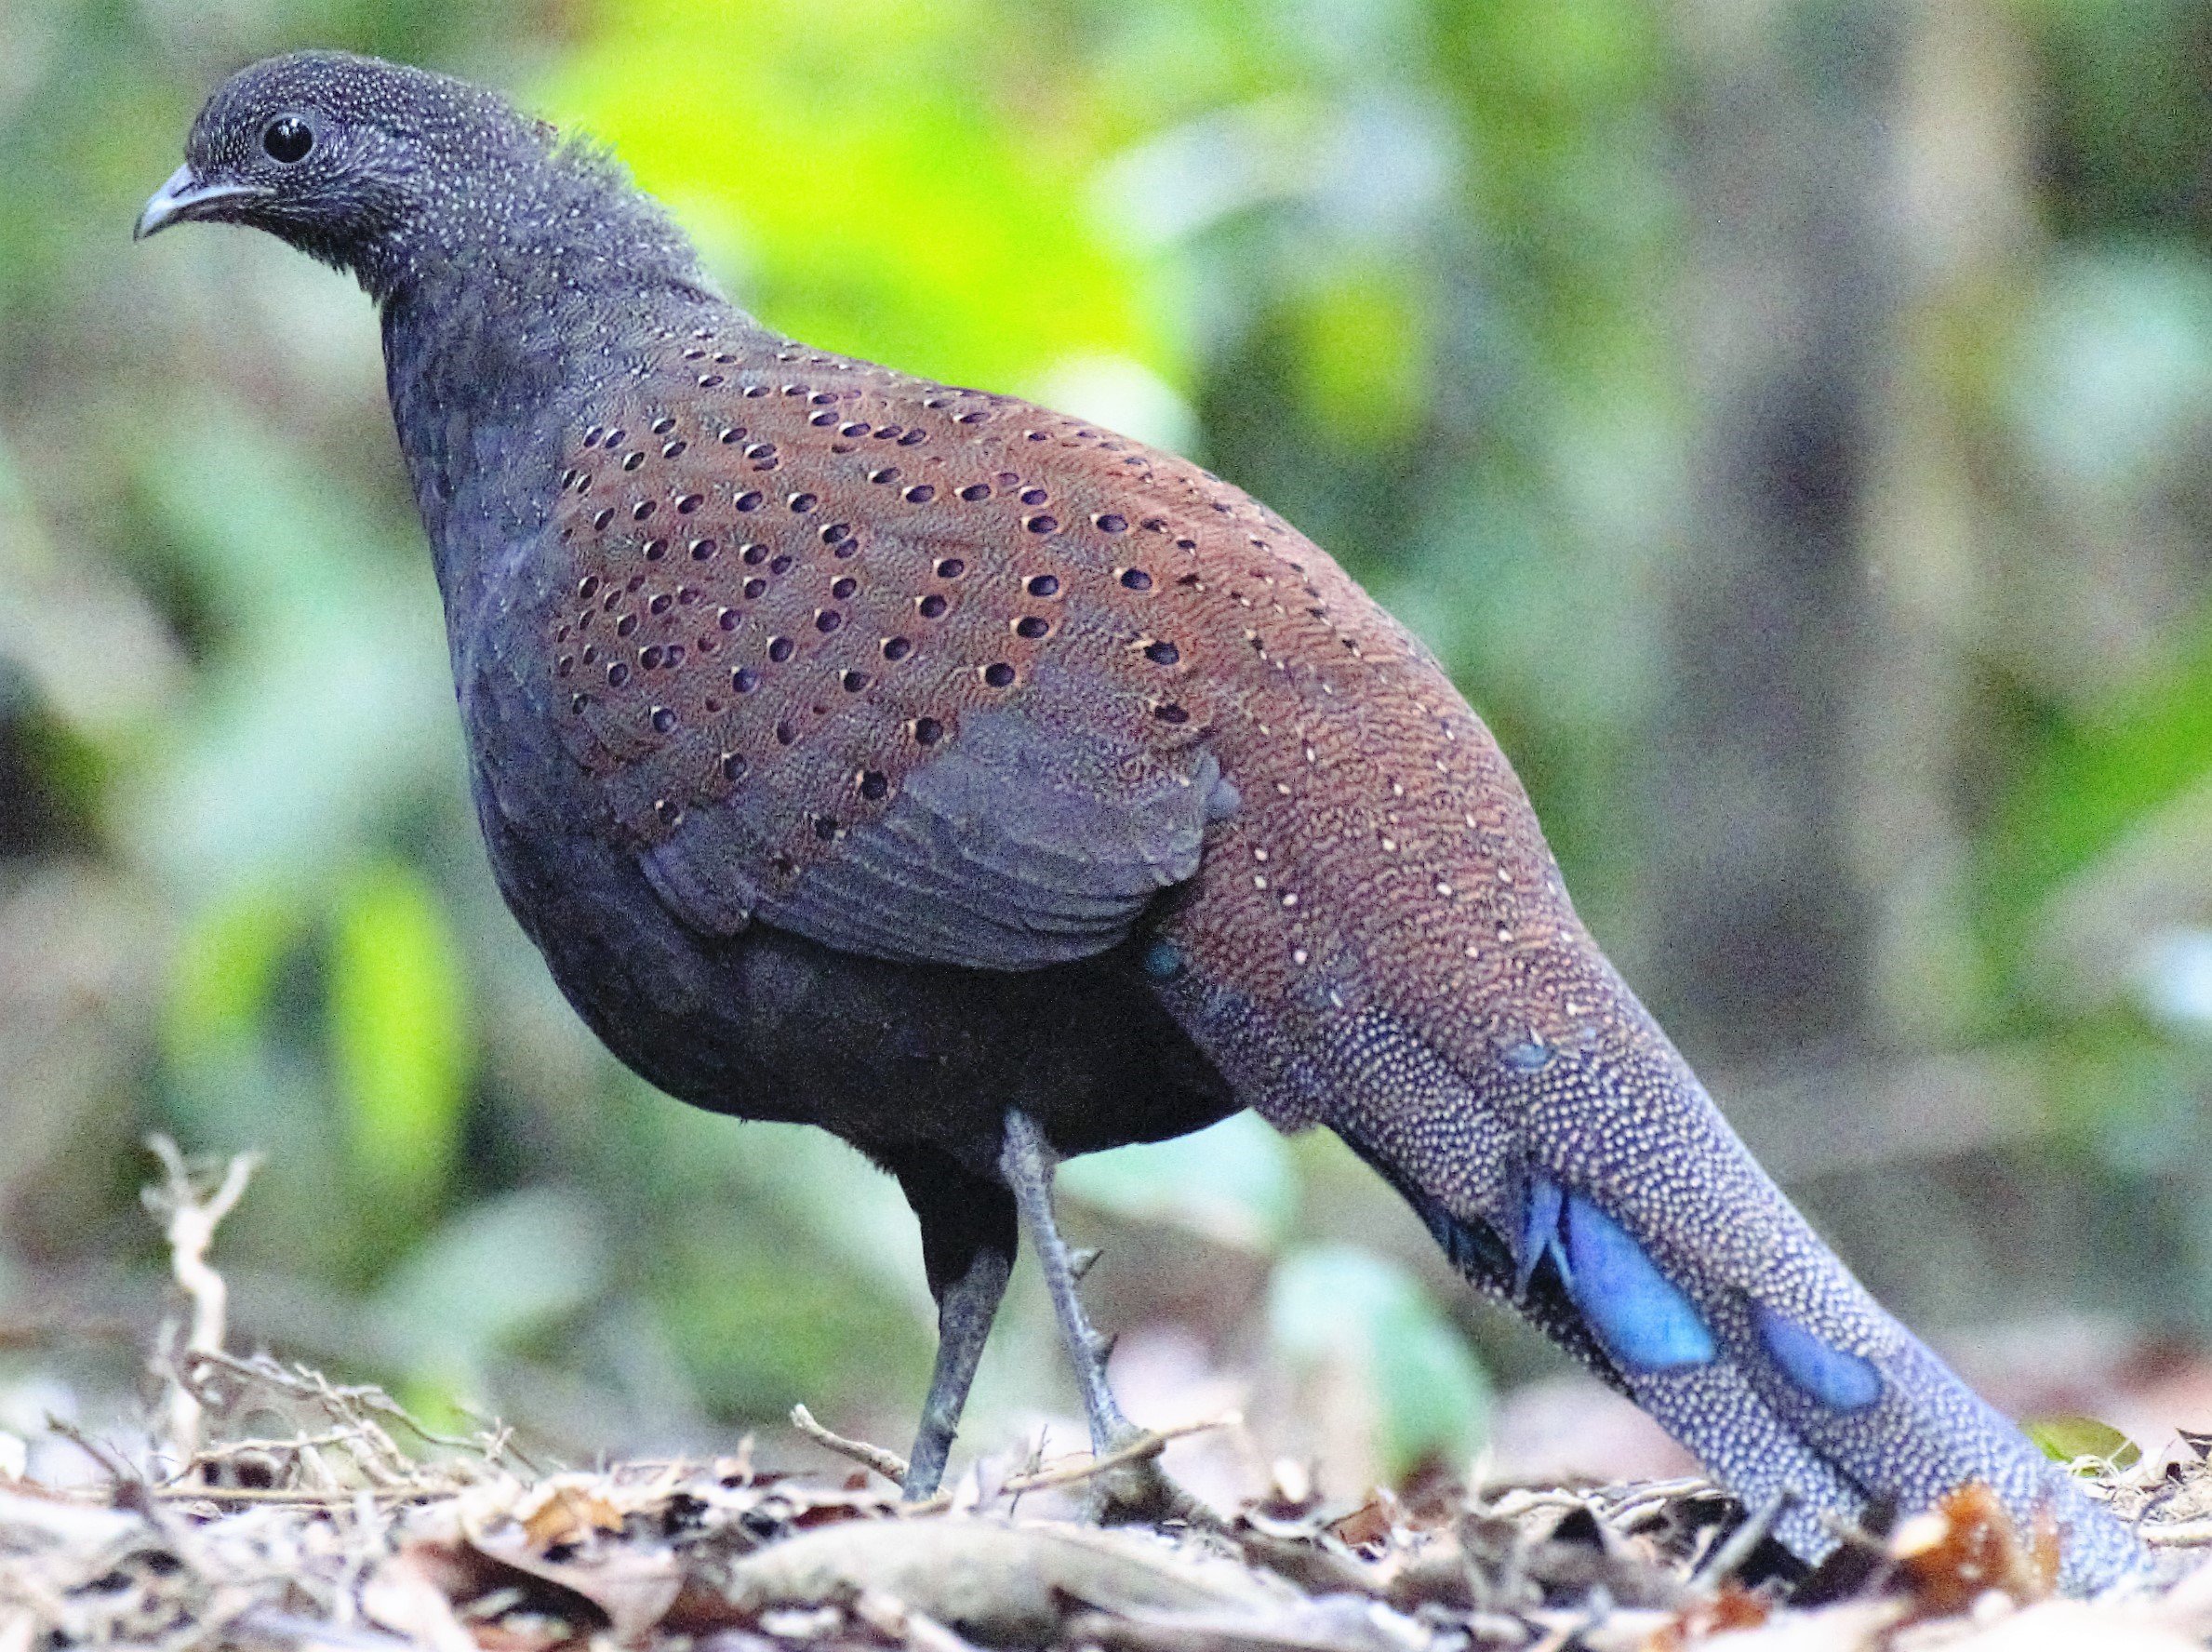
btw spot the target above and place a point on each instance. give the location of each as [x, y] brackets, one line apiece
[1423, 274]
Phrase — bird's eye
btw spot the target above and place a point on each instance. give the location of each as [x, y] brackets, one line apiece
[287, 139]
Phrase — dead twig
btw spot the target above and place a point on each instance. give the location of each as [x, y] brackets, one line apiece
[189, 1219]
[892, 1467]
[120, 1471]
[1727, 1559]
[356, 1410]
[889, 1464]
[1146, 1445]
[304, 1498]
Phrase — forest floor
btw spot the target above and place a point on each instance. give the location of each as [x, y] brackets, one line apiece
[359, 1528]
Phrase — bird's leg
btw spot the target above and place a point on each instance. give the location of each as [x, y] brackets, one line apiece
[963, 1316]
[1137, 1489]
[968, 1249]
[1027, 1163]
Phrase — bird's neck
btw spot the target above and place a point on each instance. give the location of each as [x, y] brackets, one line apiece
[501, 328]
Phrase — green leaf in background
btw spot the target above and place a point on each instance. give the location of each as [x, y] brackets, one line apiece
[2130, 768]
[2113, 380]
[2072, 1438]
[238, 1077]
[328, 703]
[398, 1008]
[227, 1082]
[1340, 1305]
[223, 969]
[1364, 359]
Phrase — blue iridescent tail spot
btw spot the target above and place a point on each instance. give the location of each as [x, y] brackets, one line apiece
[1643, 1319]
[1837, 1379]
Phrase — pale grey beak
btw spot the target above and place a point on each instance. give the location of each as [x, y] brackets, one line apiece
[184, 196]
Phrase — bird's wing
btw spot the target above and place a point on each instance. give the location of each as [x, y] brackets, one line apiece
[860, 656]
[1019, 846]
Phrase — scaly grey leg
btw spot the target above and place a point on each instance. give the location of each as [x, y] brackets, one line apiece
[1135, 1490]
[963, 1316]
[968, 1235]
[1027, 1163]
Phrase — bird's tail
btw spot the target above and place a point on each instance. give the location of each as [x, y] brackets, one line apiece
[1599, 1190]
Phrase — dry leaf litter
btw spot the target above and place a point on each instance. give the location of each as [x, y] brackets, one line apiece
[363, 1529]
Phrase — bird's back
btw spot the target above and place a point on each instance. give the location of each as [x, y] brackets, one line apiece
[796, 582]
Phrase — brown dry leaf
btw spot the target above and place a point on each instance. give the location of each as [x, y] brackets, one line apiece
[567, 1509]
[1967, 1546]
[525, 1634]
[1851, 1626]
[1314, 1566]
[1735, 1607]
[1372, 1522]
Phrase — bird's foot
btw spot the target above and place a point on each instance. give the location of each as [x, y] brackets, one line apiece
[1127, 1486]
[1126, 1481]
